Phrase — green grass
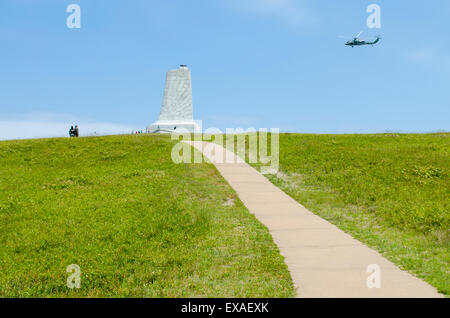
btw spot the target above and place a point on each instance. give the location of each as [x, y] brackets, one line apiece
[137, 224]
[390, 191]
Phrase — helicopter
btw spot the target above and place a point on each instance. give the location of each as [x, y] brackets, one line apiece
[358, 42]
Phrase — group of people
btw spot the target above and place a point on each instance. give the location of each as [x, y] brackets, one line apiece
[73, 131]
[138, 132]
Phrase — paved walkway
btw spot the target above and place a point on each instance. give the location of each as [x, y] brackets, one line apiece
[323, 260]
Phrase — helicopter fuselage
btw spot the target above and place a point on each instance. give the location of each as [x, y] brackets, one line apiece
[358, 42]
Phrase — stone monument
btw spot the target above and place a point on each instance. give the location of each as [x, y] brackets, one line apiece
[176, 111]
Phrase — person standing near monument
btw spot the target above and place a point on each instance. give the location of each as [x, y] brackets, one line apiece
[77, 132]
[71, 131]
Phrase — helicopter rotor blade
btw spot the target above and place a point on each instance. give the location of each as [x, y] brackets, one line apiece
[359, 34]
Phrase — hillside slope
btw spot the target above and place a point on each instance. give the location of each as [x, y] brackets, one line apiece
[137, 224]
[390, 191]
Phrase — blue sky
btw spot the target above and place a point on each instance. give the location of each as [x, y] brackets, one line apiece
[254, 63]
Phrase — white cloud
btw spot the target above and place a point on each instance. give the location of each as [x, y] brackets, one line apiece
[47, 125]
[291, 12]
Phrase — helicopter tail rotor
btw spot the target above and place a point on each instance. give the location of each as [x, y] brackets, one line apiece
[377, 39]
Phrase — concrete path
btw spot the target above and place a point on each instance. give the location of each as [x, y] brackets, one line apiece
[323, 260]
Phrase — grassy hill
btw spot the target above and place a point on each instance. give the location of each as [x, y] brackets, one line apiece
[137, 224]
[390, 191]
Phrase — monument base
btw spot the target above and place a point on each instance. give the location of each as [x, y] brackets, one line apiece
[169, 127]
